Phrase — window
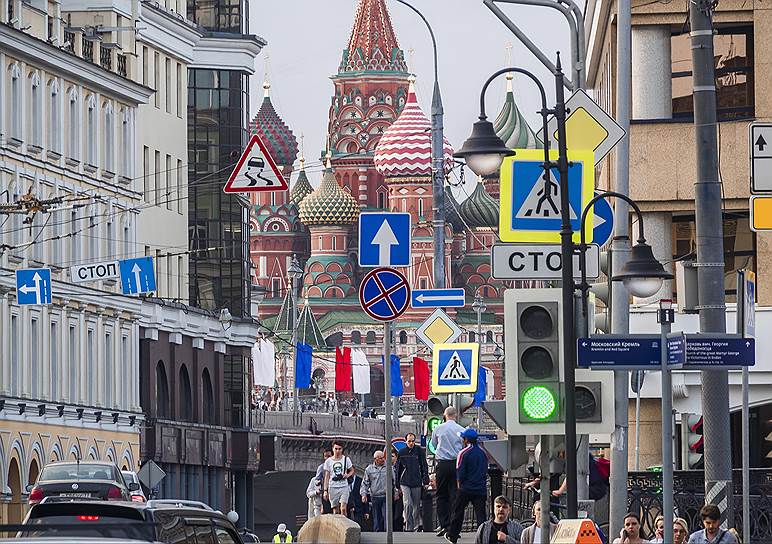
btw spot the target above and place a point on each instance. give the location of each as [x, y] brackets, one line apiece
[489, 337]
[370, 338]
[35, 362]
[169, 173]
[53, 116]
[162, 391]
[127, 144]
[356, 337]
[402, 337]
[157, 177]
[109, 145]
[334, 243]
[423, 283]
[73, 141]
[208, 401]
[145, 65]
[14, 105]
[186, 396]
[179, 179]
[53, 358]
[420, 207]
[90, 365]
[275, 287]
[733, 51]
[74, 256]
[34, 129]
[157, 79]
[127, 252]
[168, 84]
[72, 345]
[739, 246]
[147, 189]
[225, 535]
[93, 234]
[110, 235]
[180, 90]
[381, 200]
[472, 336]
[180, 276]
[108, 366]
[15, 363]
[169, 275]
[126, 366]
[204, 534]
[91, 131]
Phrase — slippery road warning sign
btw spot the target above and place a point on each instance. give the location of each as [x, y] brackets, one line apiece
[255, 171]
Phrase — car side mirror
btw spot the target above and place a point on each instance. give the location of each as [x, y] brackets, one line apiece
[29, 487]
[133, 486]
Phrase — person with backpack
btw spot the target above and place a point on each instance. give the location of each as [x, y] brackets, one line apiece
[337, 470]
[712, 532]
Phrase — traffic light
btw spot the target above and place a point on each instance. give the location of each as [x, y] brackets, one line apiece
[534, 352]
[692, 442]
[602, 293]
[435, 406]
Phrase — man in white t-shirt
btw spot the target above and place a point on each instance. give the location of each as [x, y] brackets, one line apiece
[337, 470]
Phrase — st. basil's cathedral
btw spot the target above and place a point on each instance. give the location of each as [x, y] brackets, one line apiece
[378, 158]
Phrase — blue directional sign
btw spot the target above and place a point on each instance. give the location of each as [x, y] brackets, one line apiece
[676, 349]
[604, 222]
[384, 294]
[438, 298]
[384, 239]
[455, 368]
[634, 351]
[722, 352]
[137, 275]
[33, 286]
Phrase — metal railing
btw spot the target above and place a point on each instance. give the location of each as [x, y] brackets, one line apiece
[87, 51]
[121, 64]
[316, 423]
[69, 41]
[105, 58]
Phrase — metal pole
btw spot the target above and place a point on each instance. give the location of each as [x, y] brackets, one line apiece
[742, 309]
[620, 247]
[296, 400]
[387, 428]
[583, 440]
[544, 486]
[479, 308]
[636, 464]
[710, 261]
[567, 277]
[666, 317]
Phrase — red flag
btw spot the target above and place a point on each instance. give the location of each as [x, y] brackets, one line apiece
[343, 369]
[421, 377]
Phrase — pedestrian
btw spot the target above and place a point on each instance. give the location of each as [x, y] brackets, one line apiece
[501, 528]
[326, 507]
[659, 530]
[314, 494]
[532, 534]
[397, 521]
[712, 532]
[374, 486]
[472, 477]
[631, 532]
[356, 508]
[447, 443]
[412, 477]
[337, 470]
[680, 531]
[282, 534]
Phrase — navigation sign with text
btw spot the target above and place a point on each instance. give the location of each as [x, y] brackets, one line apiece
[729, 351]
[438, 298]
[760, 146]
[633, 351]
[438, 329]
[94, 271]
[384, 239]
[454, 368]
[538, 262]
[530, 206]
[33, 286]
[384, 294]
[255, 171]
[137, 276]
[588, 127]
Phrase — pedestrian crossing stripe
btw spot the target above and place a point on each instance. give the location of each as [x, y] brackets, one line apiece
[455, 367]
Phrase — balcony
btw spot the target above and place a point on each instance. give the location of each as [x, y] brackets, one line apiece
[105, 58]
[87, 50]
[120, 67]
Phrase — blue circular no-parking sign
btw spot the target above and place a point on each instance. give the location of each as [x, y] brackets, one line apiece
[384, 294]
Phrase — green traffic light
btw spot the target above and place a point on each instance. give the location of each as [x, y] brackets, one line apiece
[539, 403]
[432, 423]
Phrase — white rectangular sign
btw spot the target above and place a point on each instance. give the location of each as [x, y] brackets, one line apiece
[538, 262]
[95, 272]
[760, 145]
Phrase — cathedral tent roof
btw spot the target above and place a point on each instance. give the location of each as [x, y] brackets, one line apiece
[308, 328]
[373, 45]
[302, 187]
[274, 132]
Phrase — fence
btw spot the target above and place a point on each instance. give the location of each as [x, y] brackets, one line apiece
[330, 423]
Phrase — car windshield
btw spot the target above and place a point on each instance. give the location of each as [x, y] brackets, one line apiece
[76, 471]
[129, 477]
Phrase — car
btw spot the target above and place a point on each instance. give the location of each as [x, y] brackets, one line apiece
[131, 477]
[81, 479]
[167, 521]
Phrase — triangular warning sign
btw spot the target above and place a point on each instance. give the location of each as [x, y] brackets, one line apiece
[255, 171]
[543, 201]
[455, 369]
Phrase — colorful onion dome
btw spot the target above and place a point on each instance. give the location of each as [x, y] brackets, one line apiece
[329, 204]
[480, 209]
[511, 126]
[302, 187]
[452, 211]
[274, 132]
[405, 149]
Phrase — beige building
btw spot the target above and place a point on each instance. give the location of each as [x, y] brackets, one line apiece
[663, 171]
[69, 371]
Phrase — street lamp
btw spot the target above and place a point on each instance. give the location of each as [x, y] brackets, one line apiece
[294, 272]
[484, 151]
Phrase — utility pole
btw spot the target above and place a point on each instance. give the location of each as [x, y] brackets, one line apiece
[387, 414]
[710, 259]
[620, 252]
[666, 316]
[295, 272]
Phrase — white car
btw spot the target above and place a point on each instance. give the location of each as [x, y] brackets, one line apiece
[137, 495]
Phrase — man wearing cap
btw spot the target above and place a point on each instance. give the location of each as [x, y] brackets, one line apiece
[472, 477]
[282, 534]
[447, 443]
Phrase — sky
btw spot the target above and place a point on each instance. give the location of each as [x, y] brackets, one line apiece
[306, 39]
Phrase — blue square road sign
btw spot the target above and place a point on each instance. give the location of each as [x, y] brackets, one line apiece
[33, 286]
[137, 276]
[384, 239]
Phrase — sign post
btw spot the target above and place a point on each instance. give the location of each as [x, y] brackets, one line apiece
[746, 326]
[387, 431]
[666, 317]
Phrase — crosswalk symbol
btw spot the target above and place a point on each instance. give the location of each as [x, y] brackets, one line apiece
[544, 201]
[454, 368]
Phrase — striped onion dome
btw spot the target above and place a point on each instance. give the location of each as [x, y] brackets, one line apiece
[511, 126]
[329, 204]
[480, 209]
[274, 132]
[302, 187]
[405, 149]
[452, 211]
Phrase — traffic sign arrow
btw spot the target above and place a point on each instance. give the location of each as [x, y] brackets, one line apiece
[438, 298]
[761, 142]
[136, 271]
[384, 239]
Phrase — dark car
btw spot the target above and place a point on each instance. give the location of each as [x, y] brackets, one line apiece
[82, 480]
[153, 521]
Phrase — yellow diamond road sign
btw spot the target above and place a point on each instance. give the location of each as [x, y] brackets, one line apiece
[588, 127]
[438, 329]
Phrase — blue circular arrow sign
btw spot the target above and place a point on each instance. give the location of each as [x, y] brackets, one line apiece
[384, 294]
[604, 222]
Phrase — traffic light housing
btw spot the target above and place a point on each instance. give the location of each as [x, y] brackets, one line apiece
[602, 292]
[692, 442]
[435, 407]
[534, 373]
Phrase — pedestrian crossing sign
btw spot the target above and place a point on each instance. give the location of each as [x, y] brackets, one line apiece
[454, 368]
[530, 205]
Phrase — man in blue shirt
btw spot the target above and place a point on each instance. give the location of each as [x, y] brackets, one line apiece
[447, 443]
[472, 477]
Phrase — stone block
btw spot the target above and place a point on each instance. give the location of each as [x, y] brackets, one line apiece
[329, 529]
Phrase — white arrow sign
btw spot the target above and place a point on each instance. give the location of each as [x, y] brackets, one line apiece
[136, 271]
[384, 239]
